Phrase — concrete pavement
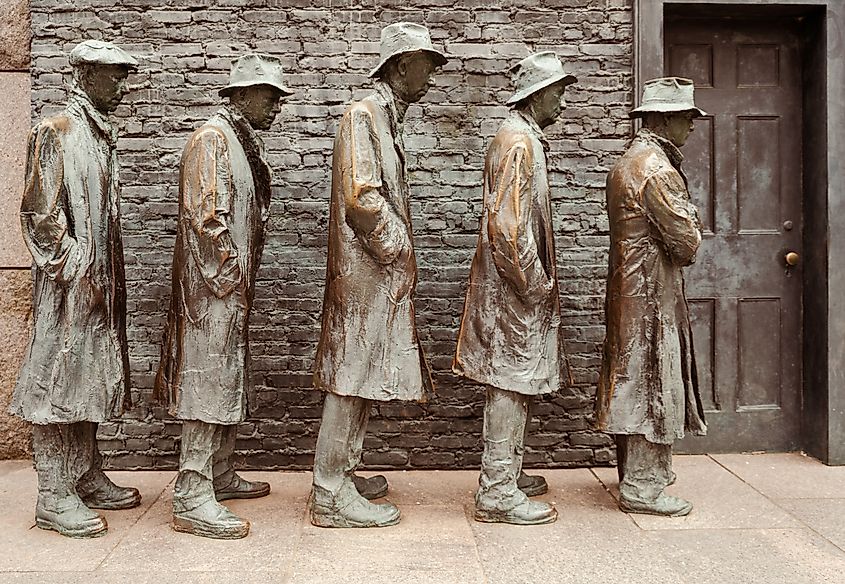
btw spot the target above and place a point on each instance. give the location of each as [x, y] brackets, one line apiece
[773, 518]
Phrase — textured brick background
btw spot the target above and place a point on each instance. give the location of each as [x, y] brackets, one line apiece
[185, 48]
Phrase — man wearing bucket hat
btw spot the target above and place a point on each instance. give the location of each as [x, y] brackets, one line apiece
[648, 388]
[510, 335]
[75, 373]
[204, 375]
[369, 349]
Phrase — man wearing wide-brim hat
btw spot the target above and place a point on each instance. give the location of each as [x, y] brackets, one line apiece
[648, 393]
[204, 375]
[369, 349]
[76, 370]
[510, 336]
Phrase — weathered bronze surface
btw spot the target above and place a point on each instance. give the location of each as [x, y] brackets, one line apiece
[75, 372]
[204, 375]
[510, 336]
[369, 348]
[648, 388]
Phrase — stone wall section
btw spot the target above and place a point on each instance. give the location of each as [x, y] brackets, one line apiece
[186, 47]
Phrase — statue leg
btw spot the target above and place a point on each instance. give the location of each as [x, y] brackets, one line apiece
[646, 471]
[60, 460]
[195, 509]
[335, 502]
[95, 488]
[498, 499]
[531, 485]
[227, 483]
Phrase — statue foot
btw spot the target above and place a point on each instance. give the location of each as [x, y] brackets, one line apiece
[532, 485]
[241, 488]
[211, 519]
[526, 513]
[75, 520]
[370, 488]
[665, 505]
[357, 513]
[107, 495]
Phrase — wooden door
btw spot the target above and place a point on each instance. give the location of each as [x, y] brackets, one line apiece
[744, 166]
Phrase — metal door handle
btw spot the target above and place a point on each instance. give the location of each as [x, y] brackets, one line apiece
[792, 258]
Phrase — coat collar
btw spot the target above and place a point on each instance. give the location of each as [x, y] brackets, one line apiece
[672, 152]
[80, 103]
[395, 107]
[533, 127]
[242, 127]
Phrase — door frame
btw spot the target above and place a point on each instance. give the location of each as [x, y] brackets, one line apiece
[823, 384]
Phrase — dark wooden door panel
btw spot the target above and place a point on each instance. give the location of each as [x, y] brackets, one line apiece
[744, 168]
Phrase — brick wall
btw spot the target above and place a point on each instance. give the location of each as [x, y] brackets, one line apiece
[328, 46]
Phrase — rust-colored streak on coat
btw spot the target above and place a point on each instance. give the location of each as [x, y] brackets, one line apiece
[76, 367]
[369, 345]
[648, 383]
[205, 367]
[510, 334]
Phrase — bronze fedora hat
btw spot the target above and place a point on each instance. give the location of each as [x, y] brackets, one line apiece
[255, 69]
[405, 37]
[667, 95]
[536, 72]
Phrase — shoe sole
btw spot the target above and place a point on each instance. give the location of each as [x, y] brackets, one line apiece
[320, 520]
[183, 526]
[681, 513]
[241, 495]
[114, 505]
[497, 517]
[81, 534]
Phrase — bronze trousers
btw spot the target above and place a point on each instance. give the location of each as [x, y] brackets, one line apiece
[645, 468]
[205, 462]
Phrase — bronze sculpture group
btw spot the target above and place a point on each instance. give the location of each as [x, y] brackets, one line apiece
[75, 373]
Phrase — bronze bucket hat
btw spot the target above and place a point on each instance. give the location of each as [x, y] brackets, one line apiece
[667, 95]
[255, 69]
[405, 37]
[536, 72]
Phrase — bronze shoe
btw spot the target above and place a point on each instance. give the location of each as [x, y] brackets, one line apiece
[665, 505]
[102, 493]
[71, 518]
[370, 488]
[356, 512]
[526, 513]
[211, 519]
[532, 485]
[240, 488]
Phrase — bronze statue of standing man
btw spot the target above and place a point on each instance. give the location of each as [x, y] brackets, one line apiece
[224, 202]
[369, 349]
[510, 336]
[648, 388]
[76, 370]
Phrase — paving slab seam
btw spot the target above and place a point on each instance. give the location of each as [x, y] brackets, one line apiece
[782, 508]
[134, 523]
[609, 492]
[468, 513]
[288, 572]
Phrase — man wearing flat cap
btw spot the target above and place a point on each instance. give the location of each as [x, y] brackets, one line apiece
[510, 336]
[648, 389]
[369, 349]
[204, 375]
[75, 373]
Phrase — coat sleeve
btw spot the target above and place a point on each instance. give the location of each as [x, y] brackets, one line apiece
[669, 209]
[44, 213]
[512, 243]
[381, 232]
[206, 200]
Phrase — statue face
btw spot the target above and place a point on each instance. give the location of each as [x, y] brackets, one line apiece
[548, 103]
[259, 104]
[105, 85]
[678, 127]
[417, 73]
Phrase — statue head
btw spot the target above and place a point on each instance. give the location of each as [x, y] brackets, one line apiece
[100, 70]
[408, 60]
[540, 83]
[255, 89]
[668, 108]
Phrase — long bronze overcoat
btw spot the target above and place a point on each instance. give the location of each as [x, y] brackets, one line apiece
[76, 367]
[369, 345]
[648, 383]
[224, 198]
[510, 334]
